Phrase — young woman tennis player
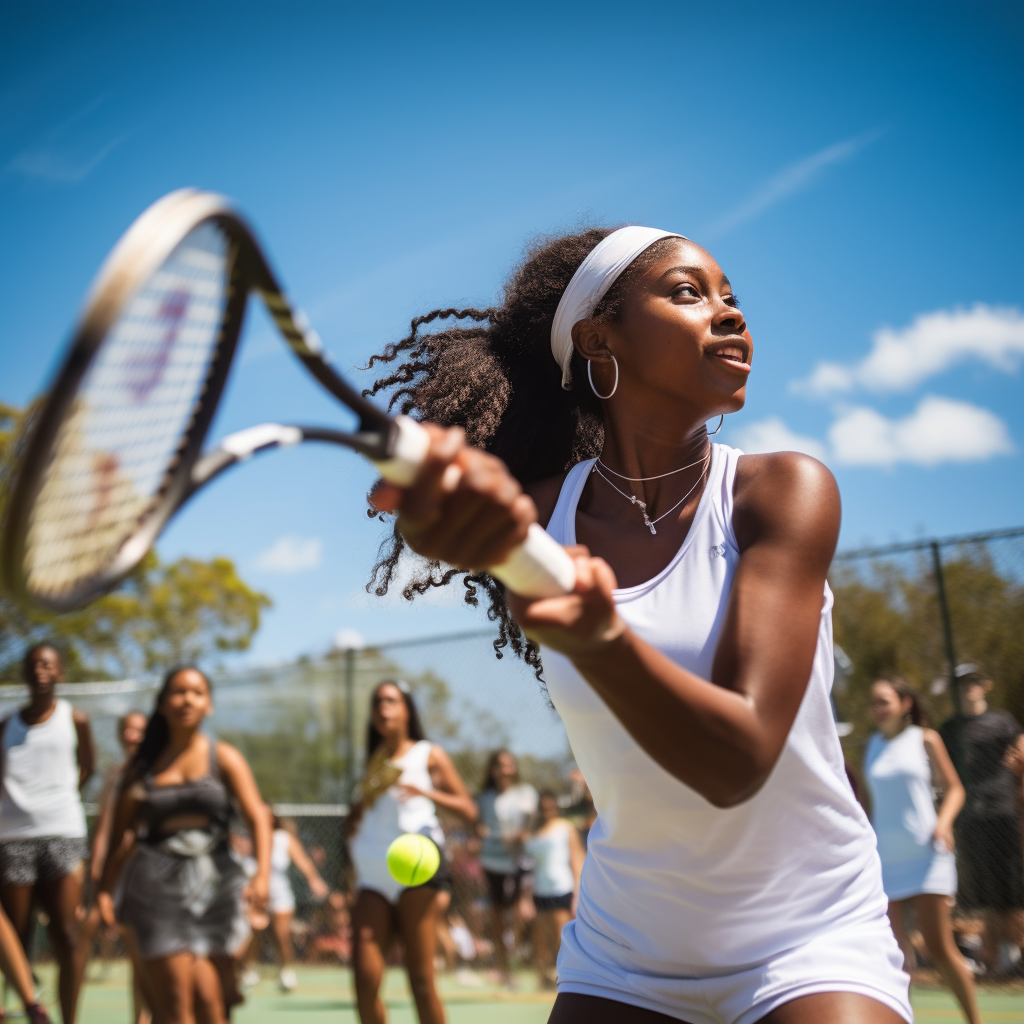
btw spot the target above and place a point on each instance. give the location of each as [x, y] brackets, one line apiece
[183, 890]
[731, 876]
[407, 779]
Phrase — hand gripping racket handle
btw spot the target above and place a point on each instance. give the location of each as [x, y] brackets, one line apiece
[539, 567]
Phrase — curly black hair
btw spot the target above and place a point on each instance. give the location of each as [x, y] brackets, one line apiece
[499, 382]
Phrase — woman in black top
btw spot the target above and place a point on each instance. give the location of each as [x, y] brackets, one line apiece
[183, 888]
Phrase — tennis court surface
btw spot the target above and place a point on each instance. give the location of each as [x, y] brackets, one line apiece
[324, 996]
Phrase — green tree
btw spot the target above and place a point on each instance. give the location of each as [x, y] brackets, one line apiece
[887, 619]
[162, 614]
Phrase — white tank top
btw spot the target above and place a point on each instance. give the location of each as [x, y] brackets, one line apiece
[899, 776]
[280, 852]
[390, 817]
[672, 884]
[552, 868]
[40, 795]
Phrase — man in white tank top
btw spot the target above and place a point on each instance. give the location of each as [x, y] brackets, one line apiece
[731, 877]
[46, 756]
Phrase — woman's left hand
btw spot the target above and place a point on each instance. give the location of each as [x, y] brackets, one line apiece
[944, 834]
[579, 623]
[407, 791]
[105, 902]
[320, 889]
[257, 892]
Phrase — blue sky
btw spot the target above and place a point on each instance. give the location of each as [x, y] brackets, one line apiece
[856, 168]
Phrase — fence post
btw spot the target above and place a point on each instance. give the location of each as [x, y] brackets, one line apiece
[947, 627]
[350, 724]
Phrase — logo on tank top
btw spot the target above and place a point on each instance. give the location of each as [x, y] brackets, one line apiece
[717, 551]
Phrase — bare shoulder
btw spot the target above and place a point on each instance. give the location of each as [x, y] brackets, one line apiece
[785, 495]
[438, 757]
[932, 740]
[229, 758]
[545, 495]
[79, 717]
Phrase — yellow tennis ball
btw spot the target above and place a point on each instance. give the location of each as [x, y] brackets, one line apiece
[413, 859]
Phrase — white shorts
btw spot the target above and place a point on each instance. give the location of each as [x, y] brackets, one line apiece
[934, 872]
[862, 958]
[281, 898]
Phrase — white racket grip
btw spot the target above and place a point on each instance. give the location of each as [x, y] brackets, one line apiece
[411, 446]
[539, 567]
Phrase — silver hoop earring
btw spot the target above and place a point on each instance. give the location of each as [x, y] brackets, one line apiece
[721, 420]
[615, 386]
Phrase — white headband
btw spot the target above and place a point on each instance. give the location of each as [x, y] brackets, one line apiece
[589, 285]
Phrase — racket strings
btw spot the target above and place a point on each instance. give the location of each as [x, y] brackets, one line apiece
[119, 444]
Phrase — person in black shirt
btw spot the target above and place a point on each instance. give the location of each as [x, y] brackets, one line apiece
[987, 750]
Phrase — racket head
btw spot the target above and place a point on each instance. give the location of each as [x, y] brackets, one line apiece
[109, 454]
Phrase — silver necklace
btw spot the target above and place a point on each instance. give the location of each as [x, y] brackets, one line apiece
[642, 505]
[641, 479]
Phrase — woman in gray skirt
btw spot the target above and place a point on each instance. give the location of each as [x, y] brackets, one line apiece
[183, 889]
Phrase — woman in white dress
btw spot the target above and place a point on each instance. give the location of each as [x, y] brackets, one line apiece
[557, 855]
[914, 842]
[407, 778]
[731, 877]
[286, 849]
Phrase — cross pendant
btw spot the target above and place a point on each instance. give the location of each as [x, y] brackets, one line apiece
[649, 524]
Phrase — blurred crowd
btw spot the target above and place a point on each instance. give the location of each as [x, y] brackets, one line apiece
[947, 805]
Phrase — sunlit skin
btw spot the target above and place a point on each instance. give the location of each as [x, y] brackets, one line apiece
[888, 711]
[973, 697]
[185, 987]
[375, 921]
[132, 731]
[505, 771]
[548, 808]
[684, 353]
[60, 898]
[891, 713]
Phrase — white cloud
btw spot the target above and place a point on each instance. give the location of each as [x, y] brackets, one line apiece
[52, 163]
[792, 179]
[901, 359]
[68, 152]
[938, 430]
[347, 639]
[772, 435]
[291, 554]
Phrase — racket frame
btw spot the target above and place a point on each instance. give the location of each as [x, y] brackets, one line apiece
[141, 251]
[395, 444]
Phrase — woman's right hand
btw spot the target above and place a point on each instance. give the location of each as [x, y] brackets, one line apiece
[464, 508]
[106, 904]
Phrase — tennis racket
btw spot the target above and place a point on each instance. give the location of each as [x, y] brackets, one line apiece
[116, 448]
